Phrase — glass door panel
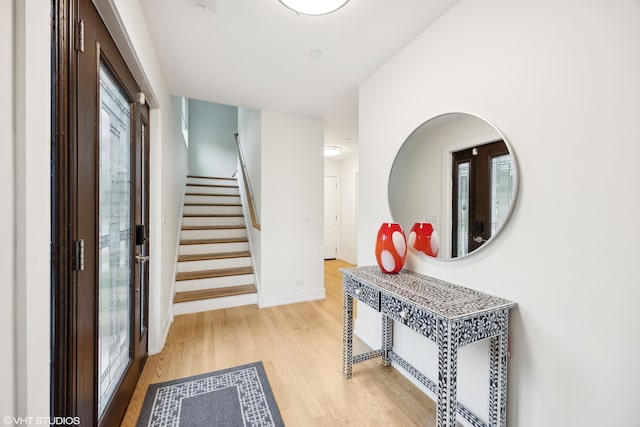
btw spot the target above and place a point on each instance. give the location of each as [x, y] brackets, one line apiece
[462, 200]
[115, 219]
[502, 190]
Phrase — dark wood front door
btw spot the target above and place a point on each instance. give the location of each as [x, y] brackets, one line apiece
[475, 175]
[101, 216]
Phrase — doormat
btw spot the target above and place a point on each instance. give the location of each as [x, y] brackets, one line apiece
[234, 397]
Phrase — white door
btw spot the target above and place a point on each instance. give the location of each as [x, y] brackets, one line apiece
[330, 217]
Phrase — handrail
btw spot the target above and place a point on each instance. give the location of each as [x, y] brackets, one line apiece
[247, 185]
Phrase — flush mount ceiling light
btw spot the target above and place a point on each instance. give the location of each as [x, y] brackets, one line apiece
[332, 150]
[314, 7]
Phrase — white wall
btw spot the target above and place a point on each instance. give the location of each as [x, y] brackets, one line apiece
[31, 206]
[560, 80]
[292, 191]
[250, 132]
[7, 217]
[212, 147]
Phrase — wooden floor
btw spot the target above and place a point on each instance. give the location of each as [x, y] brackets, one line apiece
[300, 346]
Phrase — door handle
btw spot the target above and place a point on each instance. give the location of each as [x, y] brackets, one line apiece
[479, 239]
[142, 258]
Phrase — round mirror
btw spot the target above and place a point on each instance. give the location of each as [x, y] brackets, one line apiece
[455, 176]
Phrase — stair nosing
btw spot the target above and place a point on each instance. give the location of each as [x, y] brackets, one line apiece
[213, 227]
[210, 274]
[203, 215]
[212, 194]
[212, 185]
[211, 177]
[235, 205]
[214, 256]
[187, 296]
[213, 241]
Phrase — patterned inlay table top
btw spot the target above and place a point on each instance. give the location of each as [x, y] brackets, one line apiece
[443, 299]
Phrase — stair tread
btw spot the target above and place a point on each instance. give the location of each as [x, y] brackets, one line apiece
[214, 293]
[211, 185]
[212, 194]
[213, 227]
[212, 256]
[211, 241]
[205, 215]
[208, 274]
[211, 177]
[213, 204]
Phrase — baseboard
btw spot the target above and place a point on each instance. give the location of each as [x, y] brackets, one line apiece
[283, 298]
[347, 258]
[370, 336]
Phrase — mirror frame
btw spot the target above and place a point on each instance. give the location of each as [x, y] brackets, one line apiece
[447, 188]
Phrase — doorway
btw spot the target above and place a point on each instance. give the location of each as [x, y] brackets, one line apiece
[100, 217]
[330, 217]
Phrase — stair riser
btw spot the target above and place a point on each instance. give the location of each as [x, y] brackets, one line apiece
[213, 210]
[213, 264]
[204, 221]
[212, 181]
[214, 282]
[214, 304]
[213, 234]
[213, 199]
[212, 190]
[212, 248]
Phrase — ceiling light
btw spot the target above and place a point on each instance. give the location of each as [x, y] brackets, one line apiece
[314, 7]
[332, 150]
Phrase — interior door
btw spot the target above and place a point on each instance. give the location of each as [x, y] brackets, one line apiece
[106, 181]
[330, 217]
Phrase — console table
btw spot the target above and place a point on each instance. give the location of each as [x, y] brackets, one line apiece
[450, 315]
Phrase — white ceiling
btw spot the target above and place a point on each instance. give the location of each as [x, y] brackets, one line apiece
[256, 53]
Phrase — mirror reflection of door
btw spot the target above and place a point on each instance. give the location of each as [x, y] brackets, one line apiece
[102, 200]
[483, 182]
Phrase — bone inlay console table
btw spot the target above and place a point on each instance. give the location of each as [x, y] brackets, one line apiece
[451, 315]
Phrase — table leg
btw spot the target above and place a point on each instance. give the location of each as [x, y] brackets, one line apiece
[447, 376]
[504, 360]
[494, 364]
[387, 339]
[347, 336]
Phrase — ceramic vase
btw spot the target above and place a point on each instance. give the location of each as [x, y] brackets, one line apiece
[391, 248]
[424, 238]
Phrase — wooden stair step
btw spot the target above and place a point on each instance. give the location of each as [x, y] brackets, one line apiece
[214, 293]
[213, 241]
[211, 177]
[209, 274]
[213, 227]
[213, 204]
[221, 255]
[188, 215]
[211, 185]
[212, 194]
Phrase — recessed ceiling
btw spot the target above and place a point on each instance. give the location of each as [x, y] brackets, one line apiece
[259, 54]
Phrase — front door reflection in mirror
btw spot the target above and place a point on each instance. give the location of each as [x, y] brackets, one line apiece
[458, 172]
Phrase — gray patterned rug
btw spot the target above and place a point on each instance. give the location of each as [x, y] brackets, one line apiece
[235, 397]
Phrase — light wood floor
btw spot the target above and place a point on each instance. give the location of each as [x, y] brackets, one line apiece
[300, 346]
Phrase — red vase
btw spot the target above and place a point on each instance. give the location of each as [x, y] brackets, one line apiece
[391, 247]
[424, 238]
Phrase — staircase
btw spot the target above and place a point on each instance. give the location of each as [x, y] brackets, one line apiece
[214, 263]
